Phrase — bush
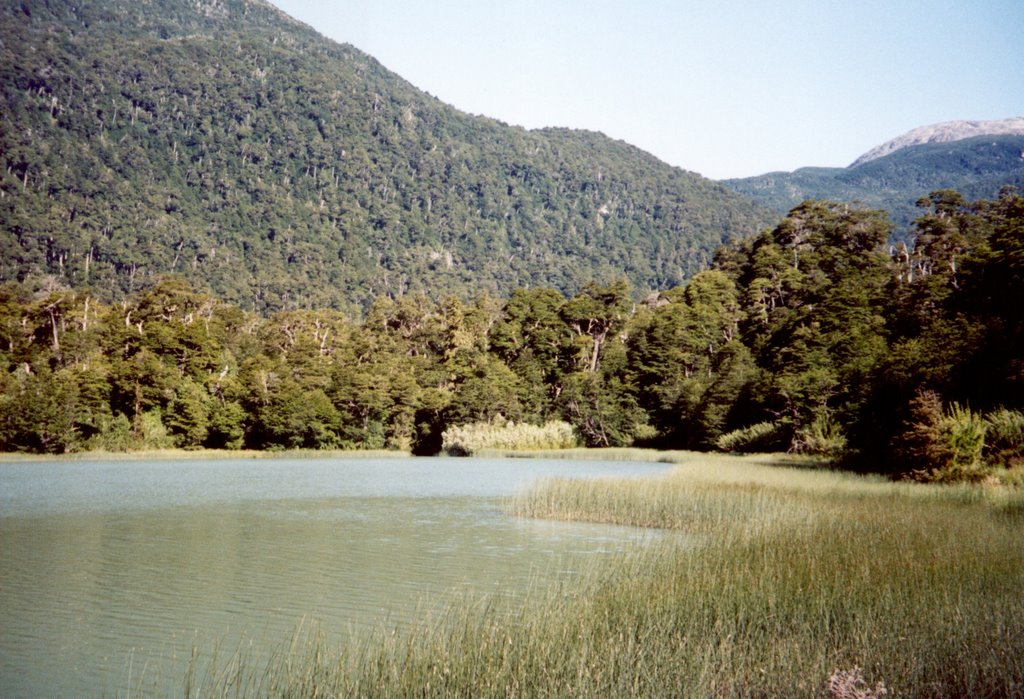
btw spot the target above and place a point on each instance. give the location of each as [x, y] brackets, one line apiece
[1004, 440]
[823, 437]
[944, 446]
[114, 434]
[466, 440]
[747, 439]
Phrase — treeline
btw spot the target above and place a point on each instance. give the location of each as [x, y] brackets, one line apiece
[814, 337]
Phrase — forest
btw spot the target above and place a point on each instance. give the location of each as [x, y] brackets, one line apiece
[817, 336]
[241, 151]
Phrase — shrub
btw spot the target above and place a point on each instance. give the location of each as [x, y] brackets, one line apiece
[944, 446]
[114, 434]
[823, 437]
[152, 431]
[1004, 439]
[751, 438]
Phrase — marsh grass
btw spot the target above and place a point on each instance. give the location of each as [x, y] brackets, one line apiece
[792, 582]
[467, 440]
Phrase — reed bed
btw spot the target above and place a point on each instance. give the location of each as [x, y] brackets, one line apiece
[789, 582]
[501, 435]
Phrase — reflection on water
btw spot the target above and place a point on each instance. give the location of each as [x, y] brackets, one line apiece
[111, 571]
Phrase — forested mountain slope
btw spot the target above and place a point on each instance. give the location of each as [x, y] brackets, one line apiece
[977, 167]
[220, 141]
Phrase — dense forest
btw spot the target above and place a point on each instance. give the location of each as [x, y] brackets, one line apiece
[224, 143]
[814, 337]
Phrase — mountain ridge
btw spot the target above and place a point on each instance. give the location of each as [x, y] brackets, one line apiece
[944, 132]
[978, 167]
[229, 144]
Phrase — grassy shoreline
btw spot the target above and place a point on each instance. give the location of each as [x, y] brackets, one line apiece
[664, 456]
[204, 454]
[795, 582]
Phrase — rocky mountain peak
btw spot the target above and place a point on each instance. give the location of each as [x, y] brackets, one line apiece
[944, 133]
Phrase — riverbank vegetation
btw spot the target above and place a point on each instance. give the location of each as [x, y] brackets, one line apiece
[500, 435]
[787, 581]
[812, 338]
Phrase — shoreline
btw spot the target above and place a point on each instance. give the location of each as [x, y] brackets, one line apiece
[203, 454]
[638, 454]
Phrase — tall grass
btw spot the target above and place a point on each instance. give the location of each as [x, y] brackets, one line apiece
[467, 440]
[791, 582]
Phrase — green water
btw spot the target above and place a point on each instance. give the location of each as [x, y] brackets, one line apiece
[112, 573]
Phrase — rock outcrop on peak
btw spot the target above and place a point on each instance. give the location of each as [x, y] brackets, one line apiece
[945, 132]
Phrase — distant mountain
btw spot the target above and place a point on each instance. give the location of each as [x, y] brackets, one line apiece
[224, 142]
[944, 133]
[977, 167]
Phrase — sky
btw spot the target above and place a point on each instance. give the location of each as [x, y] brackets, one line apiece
[724, 88]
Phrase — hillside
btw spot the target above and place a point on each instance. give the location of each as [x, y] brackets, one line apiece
[221, 141]
[977, 167]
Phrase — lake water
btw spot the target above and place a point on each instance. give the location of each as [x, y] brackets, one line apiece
[112, 572]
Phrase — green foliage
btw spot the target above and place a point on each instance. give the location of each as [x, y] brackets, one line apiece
[815, 287]
[154, 151]
[808, 338]
[225, 429]
[1004, 437]
[242, 151]
[151, 432]
[921, 444]
[39, 412]
[944, 446]
[753, 438]
[113, 434]
[977, 167]
[688, 357]
[484, 389]
[188, 414]
[289, 417]
[823, 437]
[529, 337]
[601, 409]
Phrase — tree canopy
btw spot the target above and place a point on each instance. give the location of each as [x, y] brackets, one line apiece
[241, 151]
[813, 337]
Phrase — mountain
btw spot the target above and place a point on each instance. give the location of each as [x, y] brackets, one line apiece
[894, 177]
[944, 133]
[221, 141]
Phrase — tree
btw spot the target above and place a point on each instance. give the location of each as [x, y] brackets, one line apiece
[484, 389]
[226, 426]
[531, 338]
[188, 414]
[990, 371]
[687, 362]
[601, 408]
[814, 293]
[38, 412]
[595, 315]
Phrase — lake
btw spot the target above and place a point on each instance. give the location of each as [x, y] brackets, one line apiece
[111, 573]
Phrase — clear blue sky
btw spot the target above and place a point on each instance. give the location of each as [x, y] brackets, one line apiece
[726, 88]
